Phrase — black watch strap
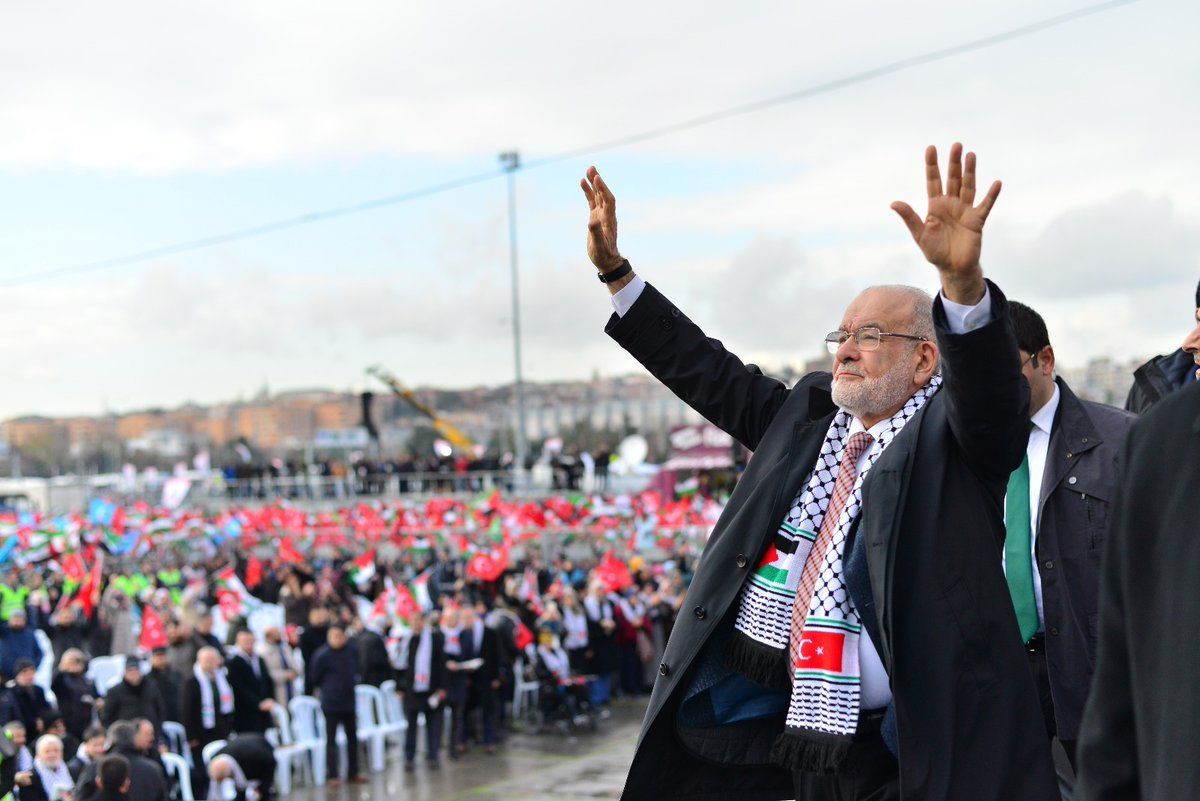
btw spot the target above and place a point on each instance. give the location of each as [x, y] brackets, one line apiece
[617, 274]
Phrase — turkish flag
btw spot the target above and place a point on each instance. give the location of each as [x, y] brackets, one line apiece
[484, 566]
[288, 552]
[523, 636]
[821, 650]
[254, 572]
[613, 573]
[153, 635]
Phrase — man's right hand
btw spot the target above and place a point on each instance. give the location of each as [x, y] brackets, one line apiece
[602, 223]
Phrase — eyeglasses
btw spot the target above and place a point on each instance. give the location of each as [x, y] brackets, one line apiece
[1031, 360]
[867, 338]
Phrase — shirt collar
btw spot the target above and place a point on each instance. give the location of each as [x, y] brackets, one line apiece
[856, 426]
[1044, 419]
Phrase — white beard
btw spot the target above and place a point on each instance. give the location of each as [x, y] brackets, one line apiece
[874, 396]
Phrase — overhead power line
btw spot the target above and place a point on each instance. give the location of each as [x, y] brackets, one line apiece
[742, 109]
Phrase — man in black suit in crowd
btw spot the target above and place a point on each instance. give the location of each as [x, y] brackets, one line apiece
[253, 689]
[147, 782]
[1056, 511]
[1142, 721]
[422, 689]
[896, 644]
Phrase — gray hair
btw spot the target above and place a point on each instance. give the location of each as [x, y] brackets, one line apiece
[922, 318]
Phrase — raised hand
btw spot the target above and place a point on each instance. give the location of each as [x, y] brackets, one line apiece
[951, 234]
[602, 223]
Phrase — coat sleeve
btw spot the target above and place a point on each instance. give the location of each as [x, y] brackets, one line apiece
[987, 397]
[1108, 747]
[189, 708]
[733, 396]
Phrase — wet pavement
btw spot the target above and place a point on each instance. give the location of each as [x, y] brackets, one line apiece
[532, 767]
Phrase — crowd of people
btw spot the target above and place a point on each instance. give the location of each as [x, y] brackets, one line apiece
[446, 603]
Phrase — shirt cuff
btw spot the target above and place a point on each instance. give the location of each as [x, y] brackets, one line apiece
[626, 296]
[962, 318]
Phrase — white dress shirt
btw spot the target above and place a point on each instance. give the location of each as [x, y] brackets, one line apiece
[875, 691]
[1037, 450]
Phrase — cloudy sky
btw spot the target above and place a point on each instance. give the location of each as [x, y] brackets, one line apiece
[130, 126]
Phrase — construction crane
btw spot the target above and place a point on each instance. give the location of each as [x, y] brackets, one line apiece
[448, 431]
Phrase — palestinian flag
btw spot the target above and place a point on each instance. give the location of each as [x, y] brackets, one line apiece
[232, 595]
[362, 569]
[406, 603]
[420, 590]
[773, 569]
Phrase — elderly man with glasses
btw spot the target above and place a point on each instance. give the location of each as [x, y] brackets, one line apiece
[849, 633]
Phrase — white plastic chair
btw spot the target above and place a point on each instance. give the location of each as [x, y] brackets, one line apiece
[177, 741]
[102, 669]
[211, 750]
[179, 768]
[392, 726]
[525, 692]
[370, 728]
[308, 732]
[392, 704]
[287, 752]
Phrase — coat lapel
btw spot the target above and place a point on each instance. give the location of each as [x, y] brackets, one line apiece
[1071, 435]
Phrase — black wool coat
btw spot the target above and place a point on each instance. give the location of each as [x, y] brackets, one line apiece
[924, 567]
[1077, 488]
[1142, 721]
[248, 692]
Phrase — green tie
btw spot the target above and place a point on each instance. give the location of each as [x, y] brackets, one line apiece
[1018, 564]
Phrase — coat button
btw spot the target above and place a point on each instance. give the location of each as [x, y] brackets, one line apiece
[741, 560]
[699, 612]
[1053, 633]
[666, 323]
[1049, 565]
[675, 313]
[1072, 480]
[1069, 454]
[663, 670]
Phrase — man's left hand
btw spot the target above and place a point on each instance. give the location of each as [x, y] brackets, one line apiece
[951, 235]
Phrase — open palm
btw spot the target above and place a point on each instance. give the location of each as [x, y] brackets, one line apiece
[951, 234]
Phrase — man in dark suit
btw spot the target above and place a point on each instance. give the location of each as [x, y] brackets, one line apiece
[482, 643]
[333, 677]
[1142, 721]
[147, 782]
[1056, 511]
[206, 709]
[422, 689]
[792, 677]
[249, 761]
[1162, 375]
[253, 690]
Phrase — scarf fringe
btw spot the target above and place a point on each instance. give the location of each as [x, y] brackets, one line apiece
[810, 751]
[759, 663]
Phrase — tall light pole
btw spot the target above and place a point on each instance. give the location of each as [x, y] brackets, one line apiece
[511, 162]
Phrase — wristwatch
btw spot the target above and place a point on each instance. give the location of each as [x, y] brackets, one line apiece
[617, 274]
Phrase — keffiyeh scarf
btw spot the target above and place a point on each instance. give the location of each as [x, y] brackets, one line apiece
[208, 707]
[823, 710]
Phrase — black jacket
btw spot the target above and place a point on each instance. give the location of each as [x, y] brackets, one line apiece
[334, 675]
[1159, 377]
[147, 782]
[26, 704]
[1077, 487]
[248, 692]
[437, 667]
[169, 685]
[255, 757]
[373, 659]
[123, 701]
[923, 567]
[191, 714]
[76, 694]
[1142, 721]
